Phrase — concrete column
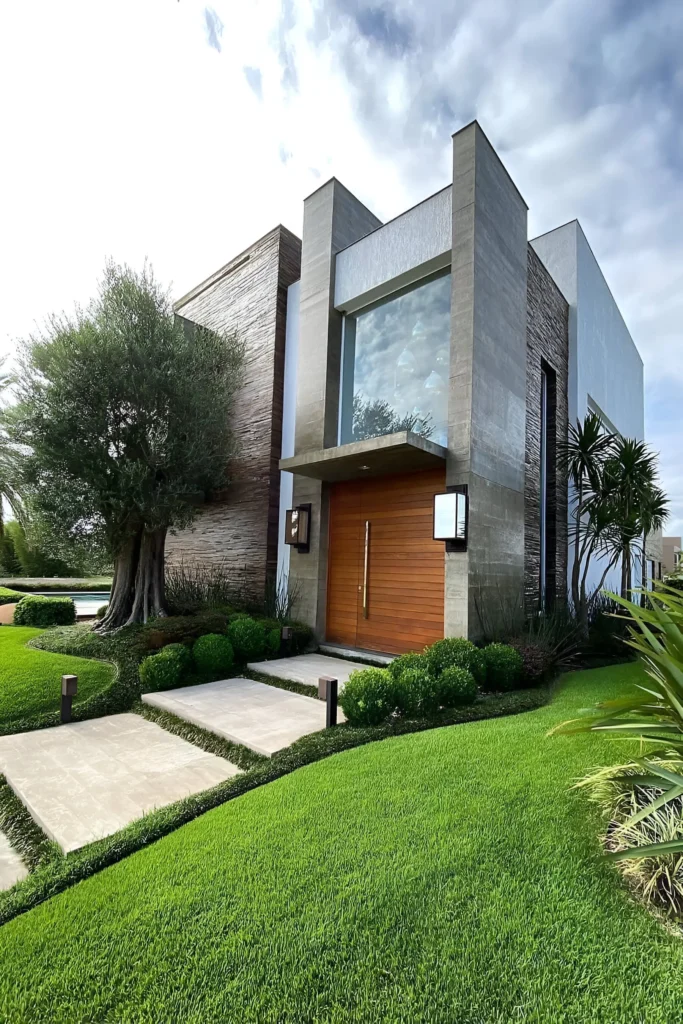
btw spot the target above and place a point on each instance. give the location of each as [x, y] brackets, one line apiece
[487, 394]
[333, 219]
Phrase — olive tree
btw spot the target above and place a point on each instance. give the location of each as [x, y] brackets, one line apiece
[123, 416]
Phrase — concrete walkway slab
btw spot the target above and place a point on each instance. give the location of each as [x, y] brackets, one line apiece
[12, 867]
[307, 668]
[337, 650]
[87, 780]
[261, 717]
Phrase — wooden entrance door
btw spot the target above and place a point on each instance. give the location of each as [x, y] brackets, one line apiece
[385, 579]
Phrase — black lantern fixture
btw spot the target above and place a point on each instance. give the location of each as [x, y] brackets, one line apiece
[298, 527]
[450, 517]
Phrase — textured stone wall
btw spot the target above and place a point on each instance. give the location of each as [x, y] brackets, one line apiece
[238, 528]
[547, 342]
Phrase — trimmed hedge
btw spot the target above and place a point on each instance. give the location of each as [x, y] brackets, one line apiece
[10, 596]
[504, 666]
[404, 662]
[273, 641]
[181, 629]
[39, 611]
[416, 693]
[213, 656]
[248, 639]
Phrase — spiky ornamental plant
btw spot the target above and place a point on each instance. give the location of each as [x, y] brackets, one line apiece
[125, 411]
[653, 714]
[582, 457]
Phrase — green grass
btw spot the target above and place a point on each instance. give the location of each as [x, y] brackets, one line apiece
[446, 876]
[30, 680]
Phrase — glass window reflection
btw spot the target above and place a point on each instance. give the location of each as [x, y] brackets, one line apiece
[396, 364]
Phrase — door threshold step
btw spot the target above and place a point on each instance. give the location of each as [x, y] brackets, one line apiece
[357, 654]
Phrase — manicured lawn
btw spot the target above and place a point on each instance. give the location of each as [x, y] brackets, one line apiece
[30, 681]
[445, 876]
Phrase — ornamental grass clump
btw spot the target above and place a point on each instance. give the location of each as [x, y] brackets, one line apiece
[458, 651]
[504, 666]
[213, 656]
[368, 697]
[644, 798]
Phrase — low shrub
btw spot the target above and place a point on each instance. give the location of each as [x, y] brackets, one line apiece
[181, 629]
[161, 671]
[368, 697]
[416, 693]
[248, 639]
[36, 610]
[504, 667]
[101, 611]
[10, 596]
[182, 652]
[213, 656]
[457, 651]
[456, 687]
[538, 662]
[408, 661]
[273, 641]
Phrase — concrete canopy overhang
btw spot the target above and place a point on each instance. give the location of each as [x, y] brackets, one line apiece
[404, 452]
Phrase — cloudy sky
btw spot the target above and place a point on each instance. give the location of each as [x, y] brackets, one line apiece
[181, 132]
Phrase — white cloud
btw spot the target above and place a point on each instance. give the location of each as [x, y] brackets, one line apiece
[131, 130]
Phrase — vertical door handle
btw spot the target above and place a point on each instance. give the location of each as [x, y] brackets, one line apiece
[365, 568]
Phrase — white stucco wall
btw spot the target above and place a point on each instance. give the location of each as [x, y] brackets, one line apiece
[400, 252]
[605, 368]
[288, 422]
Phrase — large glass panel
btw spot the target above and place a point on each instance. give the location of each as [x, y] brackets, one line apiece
[396, 364]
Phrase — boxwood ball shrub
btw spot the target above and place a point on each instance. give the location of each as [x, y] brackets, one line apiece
[369, 696]
[459, 652]
[213, 655]
[456, 687]
[248, 639]
[273, 641]
[36, 610]
[408, 661]
[182, 652]
[504, 666]
[161, 671]
[416, 693]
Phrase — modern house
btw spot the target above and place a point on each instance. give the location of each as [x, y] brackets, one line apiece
[671, 554]
[414, 380]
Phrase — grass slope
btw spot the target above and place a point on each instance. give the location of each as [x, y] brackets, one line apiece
[445, 876]
[30, 680]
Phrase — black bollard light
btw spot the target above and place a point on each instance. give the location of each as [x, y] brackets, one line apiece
[69, 690]
[328, 690]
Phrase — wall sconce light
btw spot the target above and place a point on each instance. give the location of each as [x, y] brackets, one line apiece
[298, 527]
[450, 518]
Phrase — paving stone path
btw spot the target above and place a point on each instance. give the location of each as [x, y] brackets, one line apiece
[87, 780]
[261, 717]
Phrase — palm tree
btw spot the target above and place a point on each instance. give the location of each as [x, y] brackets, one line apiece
[582, 457]
[629, 480]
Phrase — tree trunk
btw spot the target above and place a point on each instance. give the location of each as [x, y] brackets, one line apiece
[643, 572]
[576, 567]
[626, 571]
[137, 592]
